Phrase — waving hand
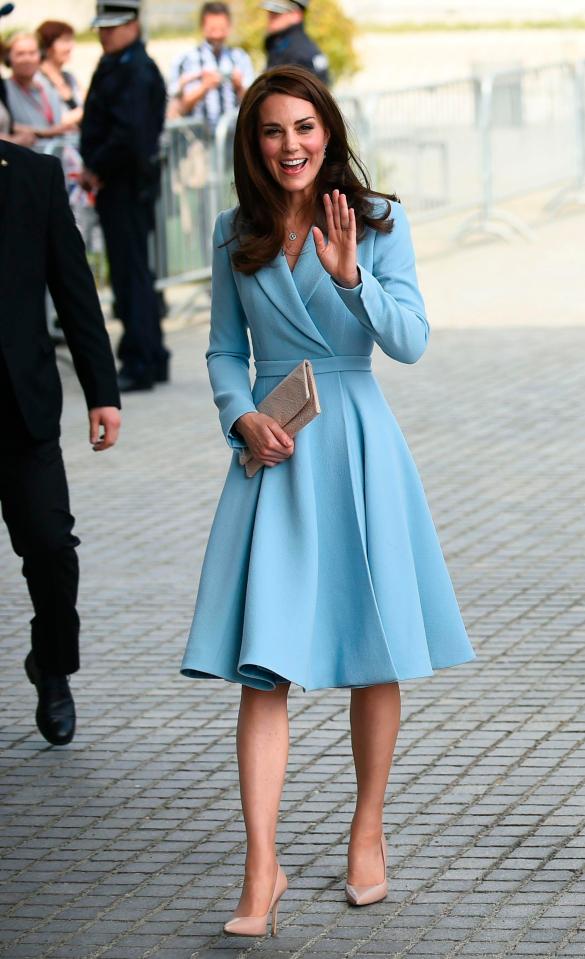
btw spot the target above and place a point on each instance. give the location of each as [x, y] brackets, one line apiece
[339, 255]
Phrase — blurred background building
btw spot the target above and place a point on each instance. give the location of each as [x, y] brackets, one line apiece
[180, 12]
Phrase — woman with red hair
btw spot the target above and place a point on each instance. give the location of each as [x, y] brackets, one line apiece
[56, 42]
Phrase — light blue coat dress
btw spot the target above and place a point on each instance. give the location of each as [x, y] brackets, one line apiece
[326, 569]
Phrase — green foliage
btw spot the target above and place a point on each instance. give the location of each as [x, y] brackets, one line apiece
[326, 24]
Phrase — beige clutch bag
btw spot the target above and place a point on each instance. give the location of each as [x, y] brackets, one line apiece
[293, 404]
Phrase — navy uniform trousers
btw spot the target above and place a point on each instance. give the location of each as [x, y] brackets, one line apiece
[35, 508]
[127, 222]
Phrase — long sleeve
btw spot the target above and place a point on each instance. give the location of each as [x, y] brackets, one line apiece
[135, 118]
[120, 147]
[72, 287]
[228, 356]
[181, 64]
[388, 302]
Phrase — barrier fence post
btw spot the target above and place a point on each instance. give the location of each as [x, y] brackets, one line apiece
[574, 194]
[489, 220]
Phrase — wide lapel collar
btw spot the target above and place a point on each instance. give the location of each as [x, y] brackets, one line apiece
[280, 287]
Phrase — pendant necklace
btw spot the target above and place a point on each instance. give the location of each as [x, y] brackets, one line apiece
[291, 236]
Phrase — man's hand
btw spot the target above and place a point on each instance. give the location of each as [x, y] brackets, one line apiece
[211, 79]
[109, 418]
[187, 78]
[89, 181]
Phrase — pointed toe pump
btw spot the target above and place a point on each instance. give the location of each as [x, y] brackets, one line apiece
[256, 925]
[365, 895]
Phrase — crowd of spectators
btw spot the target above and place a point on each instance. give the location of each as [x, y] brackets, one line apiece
[41, 99]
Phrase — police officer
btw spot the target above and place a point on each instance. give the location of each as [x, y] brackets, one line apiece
[122, 122]
[287, 41]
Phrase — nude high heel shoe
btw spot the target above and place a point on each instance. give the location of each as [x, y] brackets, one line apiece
[365, 895]
[256, 925]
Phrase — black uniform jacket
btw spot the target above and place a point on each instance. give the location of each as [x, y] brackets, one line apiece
[123, 118]
[4, 98]
[41, 246]
[294, 46]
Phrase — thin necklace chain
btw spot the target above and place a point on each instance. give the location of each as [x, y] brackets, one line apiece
[291, 236]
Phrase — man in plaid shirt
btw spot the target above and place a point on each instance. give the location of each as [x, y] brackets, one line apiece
[210, 79]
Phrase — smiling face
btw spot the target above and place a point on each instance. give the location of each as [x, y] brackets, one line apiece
[216, 29]
[292, 141]
[25, 58]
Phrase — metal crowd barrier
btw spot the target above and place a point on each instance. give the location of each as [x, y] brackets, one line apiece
[446, 148]
[195, 186]
[477, 142]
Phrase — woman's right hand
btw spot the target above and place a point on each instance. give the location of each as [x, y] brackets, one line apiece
[266, 440]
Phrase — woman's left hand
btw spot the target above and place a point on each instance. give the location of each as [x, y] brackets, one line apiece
[339, 255]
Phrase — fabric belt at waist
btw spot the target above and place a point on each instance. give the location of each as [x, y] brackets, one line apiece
[320, 364]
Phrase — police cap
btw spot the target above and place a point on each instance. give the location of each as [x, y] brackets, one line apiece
[114, 13]
[284, 6]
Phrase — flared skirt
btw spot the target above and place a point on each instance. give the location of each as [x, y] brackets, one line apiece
[326, 570]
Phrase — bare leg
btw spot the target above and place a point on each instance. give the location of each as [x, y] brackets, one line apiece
[262, 747]
[375, 721]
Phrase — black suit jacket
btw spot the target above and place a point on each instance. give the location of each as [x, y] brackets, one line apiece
[41, 246]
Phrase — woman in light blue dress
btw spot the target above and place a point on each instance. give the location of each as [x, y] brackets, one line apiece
[323, 569]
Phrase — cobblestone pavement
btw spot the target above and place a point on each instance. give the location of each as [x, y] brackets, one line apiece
[129, 843]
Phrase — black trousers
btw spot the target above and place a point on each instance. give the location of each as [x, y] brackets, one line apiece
[127, 223]
[35, 507]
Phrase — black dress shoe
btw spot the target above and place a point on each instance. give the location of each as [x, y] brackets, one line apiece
[55, 714]
[132, 384]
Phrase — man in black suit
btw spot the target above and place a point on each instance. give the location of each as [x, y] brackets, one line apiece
[41, 246]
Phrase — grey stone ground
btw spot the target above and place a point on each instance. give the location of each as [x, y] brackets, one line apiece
[129, 843]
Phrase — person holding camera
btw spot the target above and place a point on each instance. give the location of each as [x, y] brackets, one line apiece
[211, 78]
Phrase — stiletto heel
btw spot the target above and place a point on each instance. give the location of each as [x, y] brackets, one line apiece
[257, 925]
[366, 895]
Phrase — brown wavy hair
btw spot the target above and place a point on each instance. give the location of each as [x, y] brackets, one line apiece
[50, 31]
[262, 202]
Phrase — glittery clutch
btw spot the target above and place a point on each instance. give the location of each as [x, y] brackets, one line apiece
[293, 404]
